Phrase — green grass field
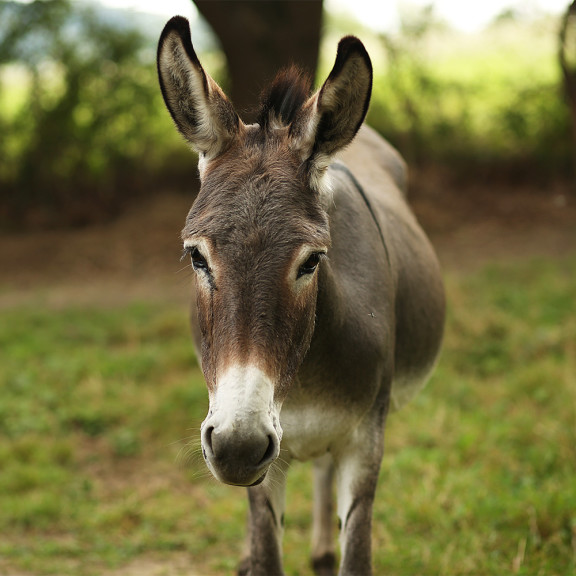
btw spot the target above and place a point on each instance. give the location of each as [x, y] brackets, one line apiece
[99, 417]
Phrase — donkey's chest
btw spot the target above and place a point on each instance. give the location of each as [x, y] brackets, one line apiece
[310, 429]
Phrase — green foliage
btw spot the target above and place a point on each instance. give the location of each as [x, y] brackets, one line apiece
[98, 407]
[80, 108]
[84, 128]
[488, 104]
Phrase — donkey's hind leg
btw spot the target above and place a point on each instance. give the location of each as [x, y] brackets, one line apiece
[323, 548]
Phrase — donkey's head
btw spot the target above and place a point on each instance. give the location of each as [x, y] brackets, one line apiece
[256, 235]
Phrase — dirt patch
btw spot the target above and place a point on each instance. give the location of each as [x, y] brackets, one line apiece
[147, 565]
[473, 225]
[137, 256]
[134, 257]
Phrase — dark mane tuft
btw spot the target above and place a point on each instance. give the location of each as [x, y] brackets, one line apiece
[282, 100]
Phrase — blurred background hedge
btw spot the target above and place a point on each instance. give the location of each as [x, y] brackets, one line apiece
[83, 130]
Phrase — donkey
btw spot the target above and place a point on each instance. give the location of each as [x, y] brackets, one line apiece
[319, 301]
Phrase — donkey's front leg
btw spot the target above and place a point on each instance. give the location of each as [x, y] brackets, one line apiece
[323, 551]
[267, 523]
[358, 466]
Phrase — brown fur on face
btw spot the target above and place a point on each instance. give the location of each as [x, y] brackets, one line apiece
[255, 210]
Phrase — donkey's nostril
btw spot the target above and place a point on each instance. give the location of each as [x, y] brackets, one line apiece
[270, 452]
[207, 441]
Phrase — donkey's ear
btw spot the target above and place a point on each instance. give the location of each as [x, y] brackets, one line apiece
[201, 111]
[330, 119]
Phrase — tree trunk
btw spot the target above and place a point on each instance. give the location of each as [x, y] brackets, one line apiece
[260, 37]
[568, 26]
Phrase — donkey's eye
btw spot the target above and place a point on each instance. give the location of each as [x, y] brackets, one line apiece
[198, 261]
[310, 265]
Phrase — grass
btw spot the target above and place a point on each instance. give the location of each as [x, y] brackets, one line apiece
[97, 407]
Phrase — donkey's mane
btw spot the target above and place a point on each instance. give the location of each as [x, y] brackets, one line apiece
[281, 101]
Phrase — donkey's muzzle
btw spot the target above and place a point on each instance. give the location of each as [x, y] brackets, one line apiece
[237, 456]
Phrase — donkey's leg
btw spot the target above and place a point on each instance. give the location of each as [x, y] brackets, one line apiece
[267, 522]
[323, 550]
[357, 469]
